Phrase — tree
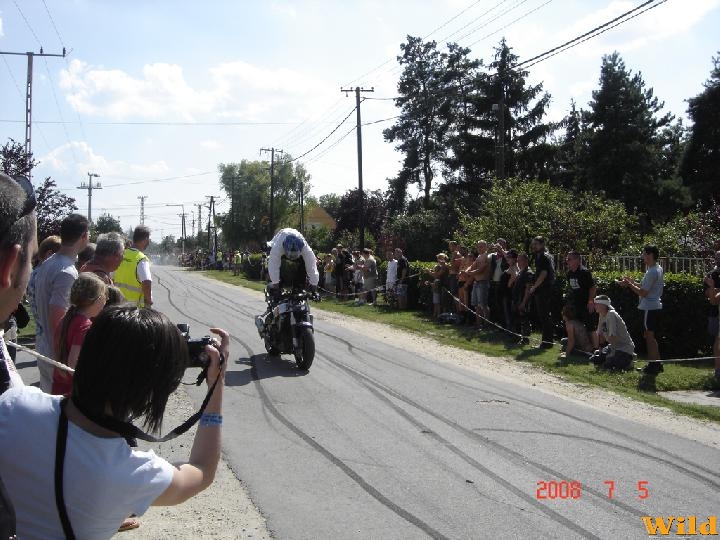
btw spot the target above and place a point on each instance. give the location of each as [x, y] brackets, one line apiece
[330, 202]
[14, 159]
[700, 167]
[624, 151]
[52, 207]
[247, 184]
[348, 215]
[525, 137]
[105, 224]
[423, 120]
[519, 210]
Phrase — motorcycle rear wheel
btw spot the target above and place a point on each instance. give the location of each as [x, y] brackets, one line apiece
[307, 339]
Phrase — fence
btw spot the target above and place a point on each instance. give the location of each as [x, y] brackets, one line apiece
[697, 266]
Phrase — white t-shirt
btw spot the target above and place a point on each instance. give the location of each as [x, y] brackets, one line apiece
[105, 480]
[143, 271]
[391, 273]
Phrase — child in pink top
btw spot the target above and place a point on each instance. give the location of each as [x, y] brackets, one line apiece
[87, 298]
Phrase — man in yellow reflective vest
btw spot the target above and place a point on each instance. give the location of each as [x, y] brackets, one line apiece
[133, 276]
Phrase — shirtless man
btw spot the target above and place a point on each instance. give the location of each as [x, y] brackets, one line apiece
[480, 272]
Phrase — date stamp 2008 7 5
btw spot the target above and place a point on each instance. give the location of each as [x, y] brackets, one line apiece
[566, 489]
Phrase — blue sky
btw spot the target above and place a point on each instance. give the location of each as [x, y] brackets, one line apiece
[155, 94]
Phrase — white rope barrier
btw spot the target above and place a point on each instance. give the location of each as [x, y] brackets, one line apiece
[41, 357]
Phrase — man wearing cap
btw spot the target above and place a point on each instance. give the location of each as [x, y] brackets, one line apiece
[618, 354]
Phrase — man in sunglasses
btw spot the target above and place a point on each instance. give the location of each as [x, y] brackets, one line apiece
[18, 244]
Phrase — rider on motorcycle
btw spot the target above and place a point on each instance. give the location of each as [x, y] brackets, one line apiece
[284, 267]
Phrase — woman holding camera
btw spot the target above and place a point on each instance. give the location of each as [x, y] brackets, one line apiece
[132, 359]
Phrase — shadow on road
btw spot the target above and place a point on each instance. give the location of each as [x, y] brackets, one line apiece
[266, 367]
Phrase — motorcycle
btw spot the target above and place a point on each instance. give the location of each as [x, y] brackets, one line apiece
[287, 326]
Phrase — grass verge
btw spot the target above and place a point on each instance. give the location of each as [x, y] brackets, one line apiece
[496, 343]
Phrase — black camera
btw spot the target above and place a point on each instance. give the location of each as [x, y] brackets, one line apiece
[196, 346]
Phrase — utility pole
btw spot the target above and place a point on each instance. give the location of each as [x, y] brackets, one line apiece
[28, 93]
[192, 230]
[358, 129]
[272, 186]
[142, 208]
[211, 216]
[302, 208]
[199, 221]
[499, 108]
[89, 187]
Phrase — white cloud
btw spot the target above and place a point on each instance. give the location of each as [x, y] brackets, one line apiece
[75, 158]
[237, 90]
[2, 32]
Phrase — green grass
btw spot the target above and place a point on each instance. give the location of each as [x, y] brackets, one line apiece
[498, 344]
[27, 333]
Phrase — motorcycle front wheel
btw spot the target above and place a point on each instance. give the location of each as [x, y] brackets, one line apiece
[270, 348]
[304, 358]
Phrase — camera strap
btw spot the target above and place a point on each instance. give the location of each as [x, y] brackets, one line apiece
[129, 431]
[60, 444]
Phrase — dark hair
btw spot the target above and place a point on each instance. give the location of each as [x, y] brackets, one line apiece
[653, 250]
[512, 253]
[573, 254]
[72, 228]
[141, 233]
[540, 239]
[132, 359]
[114, 296]
[85, 255]
[17, 230]
[569, 312]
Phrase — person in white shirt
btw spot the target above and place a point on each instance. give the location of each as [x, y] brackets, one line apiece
[132, 359]
[289, 245]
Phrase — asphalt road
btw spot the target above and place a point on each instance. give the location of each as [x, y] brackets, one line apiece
[378, 442]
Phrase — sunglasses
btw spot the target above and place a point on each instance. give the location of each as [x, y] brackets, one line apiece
[30, 201]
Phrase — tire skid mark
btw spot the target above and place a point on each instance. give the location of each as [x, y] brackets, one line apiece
[511, 454]
[674, 458]
[555, 516]
[367, 487]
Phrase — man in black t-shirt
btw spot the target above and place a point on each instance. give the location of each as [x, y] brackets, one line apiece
[542, 290]
[521, 297]
[403, 270]
[582, 287]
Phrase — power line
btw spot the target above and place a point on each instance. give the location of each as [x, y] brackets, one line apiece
[153, 180]
[326, 137]
[160, 123]
[564, 46]
[53, 23]
[510, 23]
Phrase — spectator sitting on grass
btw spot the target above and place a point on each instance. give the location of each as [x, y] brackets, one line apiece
[618, 354]
[577, 341]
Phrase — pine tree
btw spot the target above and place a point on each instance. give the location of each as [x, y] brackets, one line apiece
[625, 148]
[700, 167]
[422, 124]
[527, 148]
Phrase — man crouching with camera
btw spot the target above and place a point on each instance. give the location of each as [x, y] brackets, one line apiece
[66, 461]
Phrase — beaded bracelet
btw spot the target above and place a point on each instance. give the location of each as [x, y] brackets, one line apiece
[211, 419]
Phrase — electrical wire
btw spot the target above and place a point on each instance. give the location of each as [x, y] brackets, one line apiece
[564, 46]
[326, 137]
[325, 151]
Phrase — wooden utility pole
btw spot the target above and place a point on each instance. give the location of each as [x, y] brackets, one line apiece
[272, 187]
[358, 129]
